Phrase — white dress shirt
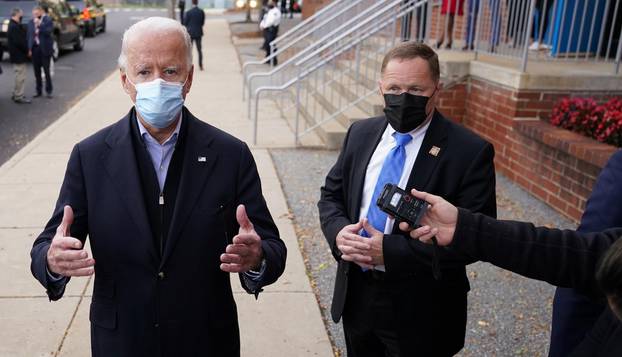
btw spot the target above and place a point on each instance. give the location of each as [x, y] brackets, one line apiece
[387, 142]
[272, 18]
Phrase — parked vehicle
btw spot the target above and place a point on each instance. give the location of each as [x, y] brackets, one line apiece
[68, 27]
[92, 14]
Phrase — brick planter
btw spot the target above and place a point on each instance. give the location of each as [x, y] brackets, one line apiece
[555, 165]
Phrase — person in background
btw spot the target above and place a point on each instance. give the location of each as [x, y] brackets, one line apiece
[542, 14]
[41, 48]
[494, 7]
[574, 313]
[18, 51]
[182, 7]
[270, 26]
[194, 21]
[589, 262]
[449, 8]
[471, 24]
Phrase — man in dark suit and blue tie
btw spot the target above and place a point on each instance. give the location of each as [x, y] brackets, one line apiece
[171, 207]
[194, 21]
[41, 48]
[384, 285]
[574, 312]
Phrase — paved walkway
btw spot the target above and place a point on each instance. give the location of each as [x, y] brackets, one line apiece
[285, 321]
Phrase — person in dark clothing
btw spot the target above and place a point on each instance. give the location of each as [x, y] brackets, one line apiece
[590, 262]
[182, 7]
[574, 314]
[41, 48]
[18, 52]
[194, 21]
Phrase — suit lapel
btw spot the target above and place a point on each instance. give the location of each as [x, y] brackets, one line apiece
[120, 165]
[363, 155]
[432, 150]
[198, 162]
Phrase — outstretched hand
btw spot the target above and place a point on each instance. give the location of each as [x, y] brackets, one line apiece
[439, 220]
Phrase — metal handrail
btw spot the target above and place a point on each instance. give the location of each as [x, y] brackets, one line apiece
[387, 13]
[350, 31]
[279, 51]
[293, 59]
[304, 23]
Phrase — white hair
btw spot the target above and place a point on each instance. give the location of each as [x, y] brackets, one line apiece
[161, 25]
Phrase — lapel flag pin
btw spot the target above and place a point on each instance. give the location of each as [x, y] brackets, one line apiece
[435, 150]
[202, 159]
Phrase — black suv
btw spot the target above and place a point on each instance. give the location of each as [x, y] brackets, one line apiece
[68, 27]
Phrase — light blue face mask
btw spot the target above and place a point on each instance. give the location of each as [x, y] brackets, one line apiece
[159, 102]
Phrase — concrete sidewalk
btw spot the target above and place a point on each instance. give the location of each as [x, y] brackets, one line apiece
[286, 319]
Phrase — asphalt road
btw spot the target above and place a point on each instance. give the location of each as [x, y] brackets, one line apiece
[76, 74]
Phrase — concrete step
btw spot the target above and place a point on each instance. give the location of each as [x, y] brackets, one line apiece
[331, 132]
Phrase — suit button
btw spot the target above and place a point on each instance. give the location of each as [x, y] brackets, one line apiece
[156, 325]
[161, 275]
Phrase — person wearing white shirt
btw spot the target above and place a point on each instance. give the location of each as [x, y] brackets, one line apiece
[270, 26]
[385, 282]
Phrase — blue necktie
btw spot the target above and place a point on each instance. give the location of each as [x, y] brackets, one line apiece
[391, 172]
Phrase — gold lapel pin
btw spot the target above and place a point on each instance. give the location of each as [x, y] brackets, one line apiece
[435, 150]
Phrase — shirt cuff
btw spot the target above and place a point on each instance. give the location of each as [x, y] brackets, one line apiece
[53, 277]
[253, 279]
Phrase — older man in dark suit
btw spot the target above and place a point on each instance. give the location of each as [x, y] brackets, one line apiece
[41, 48]
[171, 206]
[383, 286]
[194, 21]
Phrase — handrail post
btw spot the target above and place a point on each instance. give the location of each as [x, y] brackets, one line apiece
[526, 44]
[478, 28]
[618, 53]
[297, 120]
[255, 119]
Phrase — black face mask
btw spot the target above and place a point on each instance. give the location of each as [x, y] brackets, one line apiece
[405, 112]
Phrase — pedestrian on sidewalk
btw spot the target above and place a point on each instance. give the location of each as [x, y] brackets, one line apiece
[182, 8]
[18, 53]
[41, 48]
[270, 27]
[171, 206]
[383, 288]
[194, 21]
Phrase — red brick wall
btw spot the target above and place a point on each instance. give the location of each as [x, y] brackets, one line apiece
[555, 165]
[452, 102]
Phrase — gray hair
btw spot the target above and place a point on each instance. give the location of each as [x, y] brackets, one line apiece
[154, 25]
[15, 11]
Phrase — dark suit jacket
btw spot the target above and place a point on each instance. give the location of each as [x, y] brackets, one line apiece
[574, 313]
[17, 42]
[182, 304]
[194, 21]
[463, 172]
[46, 42]
[563, 258]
